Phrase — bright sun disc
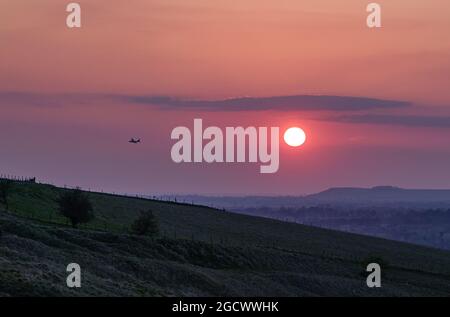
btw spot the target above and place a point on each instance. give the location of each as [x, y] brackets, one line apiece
[294, 136]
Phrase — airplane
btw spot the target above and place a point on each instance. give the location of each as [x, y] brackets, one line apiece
[135, 141]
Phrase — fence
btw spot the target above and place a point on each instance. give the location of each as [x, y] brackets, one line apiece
[166, 233]
[173, 199]
[17, 178]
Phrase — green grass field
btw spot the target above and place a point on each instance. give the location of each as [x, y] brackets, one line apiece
[201, 251]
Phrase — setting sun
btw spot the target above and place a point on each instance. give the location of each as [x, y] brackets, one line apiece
[294, 136]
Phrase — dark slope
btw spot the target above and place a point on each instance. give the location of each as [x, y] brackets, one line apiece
[214, 253]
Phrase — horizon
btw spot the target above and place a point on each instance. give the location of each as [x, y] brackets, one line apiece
[168, 195]
[373, 103]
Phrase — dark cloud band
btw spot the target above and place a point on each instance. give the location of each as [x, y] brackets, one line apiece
[398, 120]
[277, 103]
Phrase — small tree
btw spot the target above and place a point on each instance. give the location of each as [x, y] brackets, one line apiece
[5, 190]
[76, 206]
[145, 224]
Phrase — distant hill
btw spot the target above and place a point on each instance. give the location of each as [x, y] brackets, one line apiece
[380, 194]
[201, 252]
[420, 216]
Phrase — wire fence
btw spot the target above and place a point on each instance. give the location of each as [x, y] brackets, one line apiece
[166, 233]
[17, 178]
[174, 199]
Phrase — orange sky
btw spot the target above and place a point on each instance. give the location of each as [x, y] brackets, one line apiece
[212, 49]
[228, 48]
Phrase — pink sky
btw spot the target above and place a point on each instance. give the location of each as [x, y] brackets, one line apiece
[60, 127]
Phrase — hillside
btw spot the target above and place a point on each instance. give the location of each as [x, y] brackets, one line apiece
[202, 251]
[380, 194]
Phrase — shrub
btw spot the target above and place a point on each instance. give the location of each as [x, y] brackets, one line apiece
[76, 206]
[145, 224]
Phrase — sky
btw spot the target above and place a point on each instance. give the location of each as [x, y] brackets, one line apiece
[71, 98]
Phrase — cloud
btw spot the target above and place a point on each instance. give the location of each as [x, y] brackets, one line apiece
[49, 100]
[279, 103]
[398, 120]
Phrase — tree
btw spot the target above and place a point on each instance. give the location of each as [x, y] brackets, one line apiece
[5, 190]
[146, 224]
[76, 206]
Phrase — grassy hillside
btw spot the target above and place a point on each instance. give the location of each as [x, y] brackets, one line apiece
[202, 251]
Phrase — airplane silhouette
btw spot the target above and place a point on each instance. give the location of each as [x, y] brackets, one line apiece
[135, 141]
